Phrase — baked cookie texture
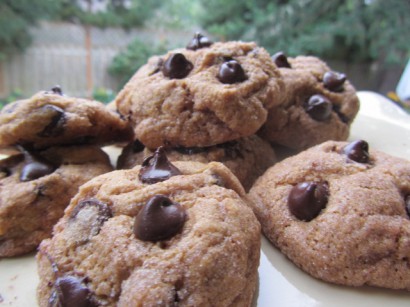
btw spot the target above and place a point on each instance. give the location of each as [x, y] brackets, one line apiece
[319, 105]
[50, 118]
[247, 158]
[35, 190]
[340, 213]
[101, 251]
[202, 97]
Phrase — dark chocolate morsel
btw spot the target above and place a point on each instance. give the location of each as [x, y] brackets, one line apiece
[334, 81]
[307, 199]
[157, 168]
[176, 66]
[281, 60]
[35, 166]
[56, 125]
[159, 219]
[71, 291]
[199, 41]
[57, 90]
[318, 107]
[357, 151]
[88, 216]
[407, 204]
[231, 72]
[137, 146]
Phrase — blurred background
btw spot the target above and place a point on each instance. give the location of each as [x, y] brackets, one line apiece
[92, 47]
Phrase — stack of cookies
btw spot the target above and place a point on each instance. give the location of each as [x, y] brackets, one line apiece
[54, 145]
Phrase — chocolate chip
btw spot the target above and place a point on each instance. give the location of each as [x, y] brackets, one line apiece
[231, 72]
[176, 66]
[281, 60]
[35, 166]
[407, 204]
[57, 90]
[157, 168]
[159, 219]
[71, 291]
[56, 125]
[137, 146]
[307, 199]
[87, 219]
[318, 107]
[199, 41]
[357, 151]
[334, 81]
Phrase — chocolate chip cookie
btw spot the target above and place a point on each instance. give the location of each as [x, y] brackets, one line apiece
[161, 234]
[340, 212]
[202, 95]
[49, 118]
[36, 187]
[319, 104]
[247, 158]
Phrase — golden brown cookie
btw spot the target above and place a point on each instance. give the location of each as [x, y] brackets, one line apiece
[36, 187]
[50, 118]
[319, 104]
[247, 158]
[341, 213]
[164, 234]
[202, 97]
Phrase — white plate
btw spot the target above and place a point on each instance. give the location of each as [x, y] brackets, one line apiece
[380, 122]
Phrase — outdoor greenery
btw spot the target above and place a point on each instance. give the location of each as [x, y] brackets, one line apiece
[351, 30]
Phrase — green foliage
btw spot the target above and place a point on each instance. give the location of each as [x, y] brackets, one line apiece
[116, 15]
[126, 63]
[103, 95]
[16, 16]
[16, 94]
[353, 30]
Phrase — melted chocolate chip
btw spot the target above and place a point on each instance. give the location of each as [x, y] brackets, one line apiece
[307, 199]
[199, 41]
[176, 66]
[56, 125]
[159, 219]
[407, 204]
[137, 146]
[281, 60]
[357, 151]
[88, 216]
[71, 291]
[157, 168]
[334, 81]
[57, 90]
[35, 166]
[318, 107]
[231, 72]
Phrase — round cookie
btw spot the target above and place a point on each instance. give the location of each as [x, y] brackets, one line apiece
[50, 118]
[247, 158]
[185, 237]
[35, 188]
[319, 104]
[341, 213]
[202, 97]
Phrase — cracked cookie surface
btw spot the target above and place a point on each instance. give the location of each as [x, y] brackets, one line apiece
[220, 93]
[340, 214]
[100, 245]
[33, 199]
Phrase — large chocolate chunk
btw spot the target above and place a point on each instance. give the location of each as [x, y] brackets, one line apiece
[157, 168]
[56, 125]
[35, 166]
[334, 81]
[281, 60]
[71, 291]
[318, 107]
[307, 199]
[57, 90]
[176, 66]
[357, 151]
[231, 72]
[199, 41]
[159, 219]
